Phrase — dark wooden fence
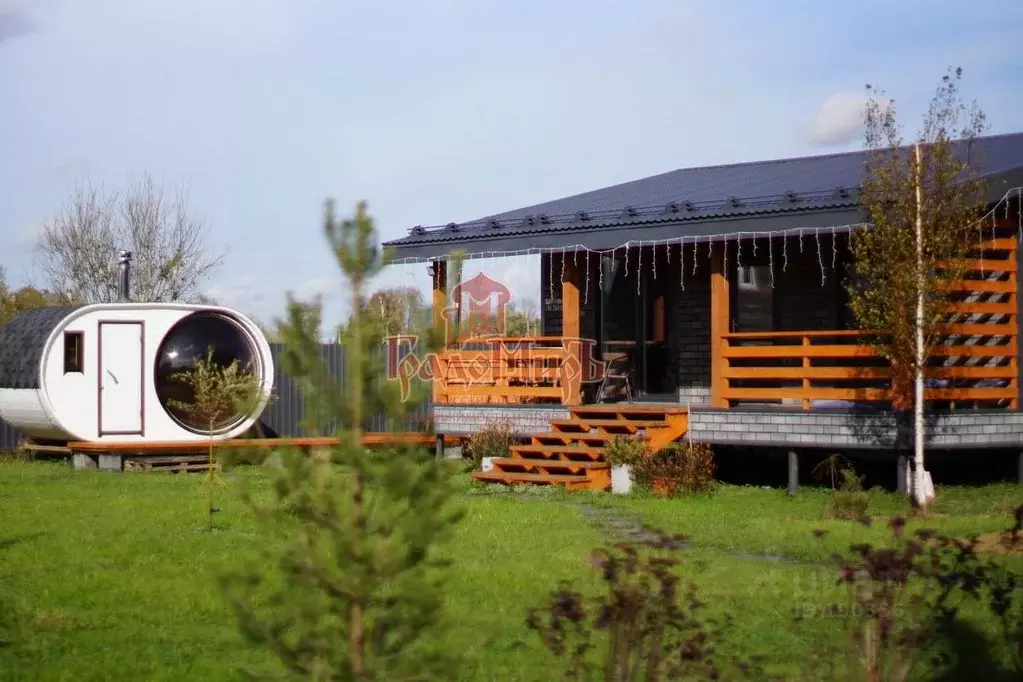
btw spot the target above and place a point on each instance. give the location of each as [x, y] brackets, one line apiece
[283, 417]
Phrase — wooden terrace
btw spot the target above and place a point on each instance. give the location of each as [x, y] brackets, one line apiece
[975, 364]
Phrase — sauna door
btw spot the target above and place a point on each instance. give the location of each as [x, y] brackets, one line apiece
[121, 378]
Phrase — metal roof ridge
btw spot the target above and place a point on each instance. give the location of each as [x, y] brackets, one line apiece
[748, 203]
[611, 223]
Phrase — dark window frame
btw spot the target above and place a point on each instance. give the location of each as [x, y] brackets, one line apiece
[752, 287]
[74, 352]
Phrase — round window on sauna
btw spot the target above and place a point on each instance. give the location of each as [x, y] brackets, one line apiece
[183, 348]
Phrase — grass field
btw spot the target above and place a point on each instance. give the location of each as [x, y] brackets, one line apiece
[112, 577]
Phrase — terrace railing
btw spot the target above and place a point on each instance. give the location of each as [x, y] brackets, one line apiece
[973, 366]
[509, 370]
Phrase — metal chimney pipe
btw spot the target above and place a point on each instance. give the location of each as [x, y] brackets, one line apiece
[123, 276]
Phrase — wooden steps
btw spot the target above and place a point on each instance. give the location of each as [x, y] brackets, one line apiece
[561, 451]
[572, 482]
[174, 463]
[572, 452]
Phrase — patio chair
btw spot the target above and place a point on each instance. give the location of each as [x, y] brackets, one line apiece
[617, 368]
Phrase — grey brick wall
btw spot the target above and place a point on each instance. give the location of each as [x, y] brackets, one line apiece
[690, 332]
[805, 303]
[869, 430]
[461, 420]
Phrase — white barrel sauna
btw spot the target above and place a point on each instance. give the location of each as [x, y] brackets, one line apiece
[106, 372]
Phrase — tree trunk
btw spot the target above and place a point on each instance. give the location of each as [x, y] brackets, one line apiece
[919, 493]
[209, 483]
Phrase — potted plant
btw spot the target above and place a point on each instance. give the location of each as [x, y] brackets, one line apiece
[624, 454]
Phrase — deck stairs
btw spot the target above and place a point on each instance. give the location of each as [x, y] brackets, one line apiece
[571, 454]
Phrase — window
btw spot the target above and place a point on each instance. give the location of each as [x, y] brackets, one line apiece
[746, 277]
[74, 352]
[754, 300]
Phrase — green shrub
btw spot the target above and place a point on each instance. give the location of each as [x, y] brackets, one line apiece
[849, 501]
[645, 625]
[493, 439]
[627, 451]
[684, 467]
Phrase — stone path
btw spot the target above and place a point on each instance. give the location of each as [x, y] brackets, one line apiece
[612, 524]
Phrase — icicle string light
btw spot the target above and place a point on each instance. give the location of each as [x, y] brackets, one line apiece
[639, 270]
[563, 259]
[550, 277]
[1014, 192]
[784, 254]
[627, 261]
[655, 259]
[980, 234]
[770, 258]
[1004, 204]
[586, 293]
[600, 275]
[820, 258]
[754, 244]
[682, 266]
[834, 250]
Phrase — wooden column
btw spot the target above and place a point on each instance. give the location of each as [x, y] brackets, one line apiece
[440, 295]
[793, 473]
[719, 324]
[571, 320]
[1014, 403]
[440, 326]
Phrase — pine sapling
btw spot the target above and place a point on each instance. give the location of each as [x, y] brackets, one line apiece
[349, 585]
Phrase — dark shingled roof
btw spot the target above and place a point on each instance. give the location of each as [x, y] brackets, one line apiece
[21, 344]
[760, 196]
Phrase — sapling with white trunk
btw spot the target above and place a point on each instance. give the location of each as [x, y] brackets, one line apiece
[922, 202]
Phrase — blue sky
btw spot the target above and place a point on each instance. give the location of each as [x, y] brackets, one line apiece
[444, 110]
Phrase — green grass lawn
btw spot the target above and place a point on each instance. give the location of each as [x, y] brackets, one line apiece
[113, 576]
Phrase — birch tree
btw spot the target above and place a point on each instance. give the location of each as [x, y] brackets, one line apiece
[922, 202]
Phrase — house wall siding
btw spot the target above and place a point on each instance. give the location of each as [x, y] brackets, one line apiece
[804, 302]
[690, 337]
[808, 295]
[853, 430]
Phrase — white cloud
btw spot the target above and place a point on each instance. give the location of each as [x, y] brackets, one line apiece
[241, 294]
[27, 236]
[839, 121]
[12, 25]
